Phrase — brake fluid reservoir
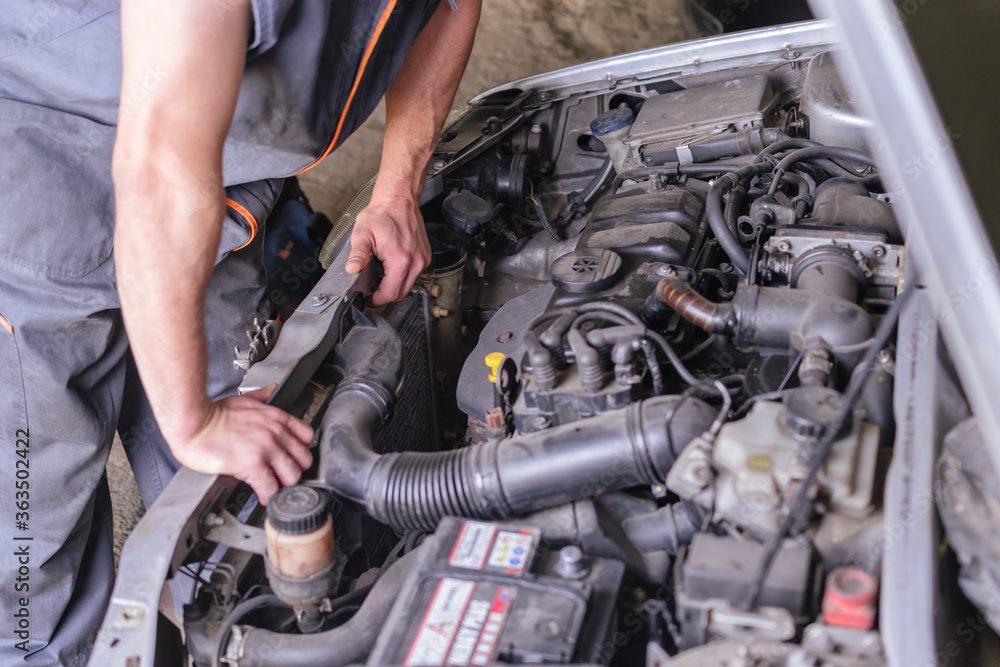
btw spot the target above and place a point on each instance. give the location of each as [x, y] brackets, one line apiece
[611, 127]
[300, 551]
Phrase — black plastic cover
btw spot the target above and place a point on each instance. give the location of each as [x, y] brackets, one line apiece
[724, 568]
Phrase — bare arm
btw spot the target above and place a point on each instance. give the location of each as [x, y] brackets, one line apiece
[417, 104]
[170, 205]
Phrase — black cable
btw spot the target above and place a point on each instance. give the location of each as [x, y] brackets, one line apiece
[598, 181]
[605, 317]
[544, 219]
[704, 345]
[826, 442]
[682, 370]
[595, 306]
[412, 537]
[791, 369]
[654, 366]
[609, 307]
[755, 399]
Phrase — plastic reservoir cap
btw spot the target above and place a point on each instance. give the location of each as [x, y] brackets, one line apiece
[296, 510]
[493, 360]
[609, 121]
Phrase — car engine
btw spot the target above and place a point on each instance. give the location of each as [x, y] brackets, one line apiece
[639, 409]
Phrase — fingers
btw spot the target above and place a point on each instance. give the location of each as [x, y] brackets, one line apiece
[262, 394]
[302, 431]
[264, 485]
[401, 270]
[391, 287]
[285, 468]
[362, 246]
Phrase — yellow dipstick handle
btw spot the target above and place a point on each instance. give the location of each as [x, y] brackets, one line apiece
[493, 360]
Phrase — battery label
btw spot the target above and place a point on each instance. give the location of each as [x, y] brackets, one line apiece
[440, 623]
[480, 631]
[473, 545]
[511, 551]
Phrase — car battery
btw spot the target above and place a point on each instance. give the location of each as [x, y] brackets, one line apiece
[483, 593]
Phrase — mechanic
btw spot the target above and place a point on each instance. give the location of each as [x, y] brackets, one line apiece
[161, 130]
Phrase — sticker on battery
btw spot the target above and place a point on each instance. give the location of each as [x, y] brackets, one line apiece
[473, 545]
[437, 630]
[511, 551]
[480, 629]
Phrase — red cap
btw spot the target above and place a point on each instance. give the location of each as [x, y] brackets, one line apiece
[849, 600]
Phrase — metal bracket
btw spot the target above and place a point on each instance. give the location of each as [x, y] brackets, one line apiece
[223, 528]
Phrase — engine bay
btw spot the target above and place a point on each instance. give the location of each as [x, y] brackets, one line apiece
[638, 410]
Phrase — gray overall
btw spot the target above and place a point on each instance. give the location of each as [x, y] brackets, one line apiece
[315, 70]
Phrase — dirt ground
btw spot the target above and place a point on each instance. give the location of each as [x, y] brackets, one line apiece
[516, 38]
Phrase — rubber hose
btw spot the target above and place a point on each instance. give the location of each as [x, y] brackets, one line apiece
[503, 479]
[693, 307]
[785, 145]
[816, 152]
[348, 644]
[237, 614]
[715, 210]
[495, 479]
[749, 141]
[673, 170]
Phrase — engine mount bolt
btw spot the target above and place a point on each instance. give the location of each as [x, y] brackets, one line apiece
[544, 96]
[665, 271]
[438, 164]
[878, 250]
[319, 300]
[784, 246]
[536, 129]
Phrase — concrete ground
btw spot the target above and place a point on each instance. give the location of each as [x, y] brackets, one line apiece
[516, 38]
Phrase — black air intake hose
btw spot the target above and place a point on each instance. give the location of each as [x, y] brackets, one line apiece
[750, 141]
[494, 480]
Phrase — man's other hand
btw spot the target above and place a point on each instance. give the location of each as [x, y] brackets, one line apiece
[392, 229]
[254, 442]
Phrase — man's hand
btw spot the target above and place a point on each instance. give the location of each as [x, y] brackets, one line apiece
[254, 442]
[392, 228]
[417, 105]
